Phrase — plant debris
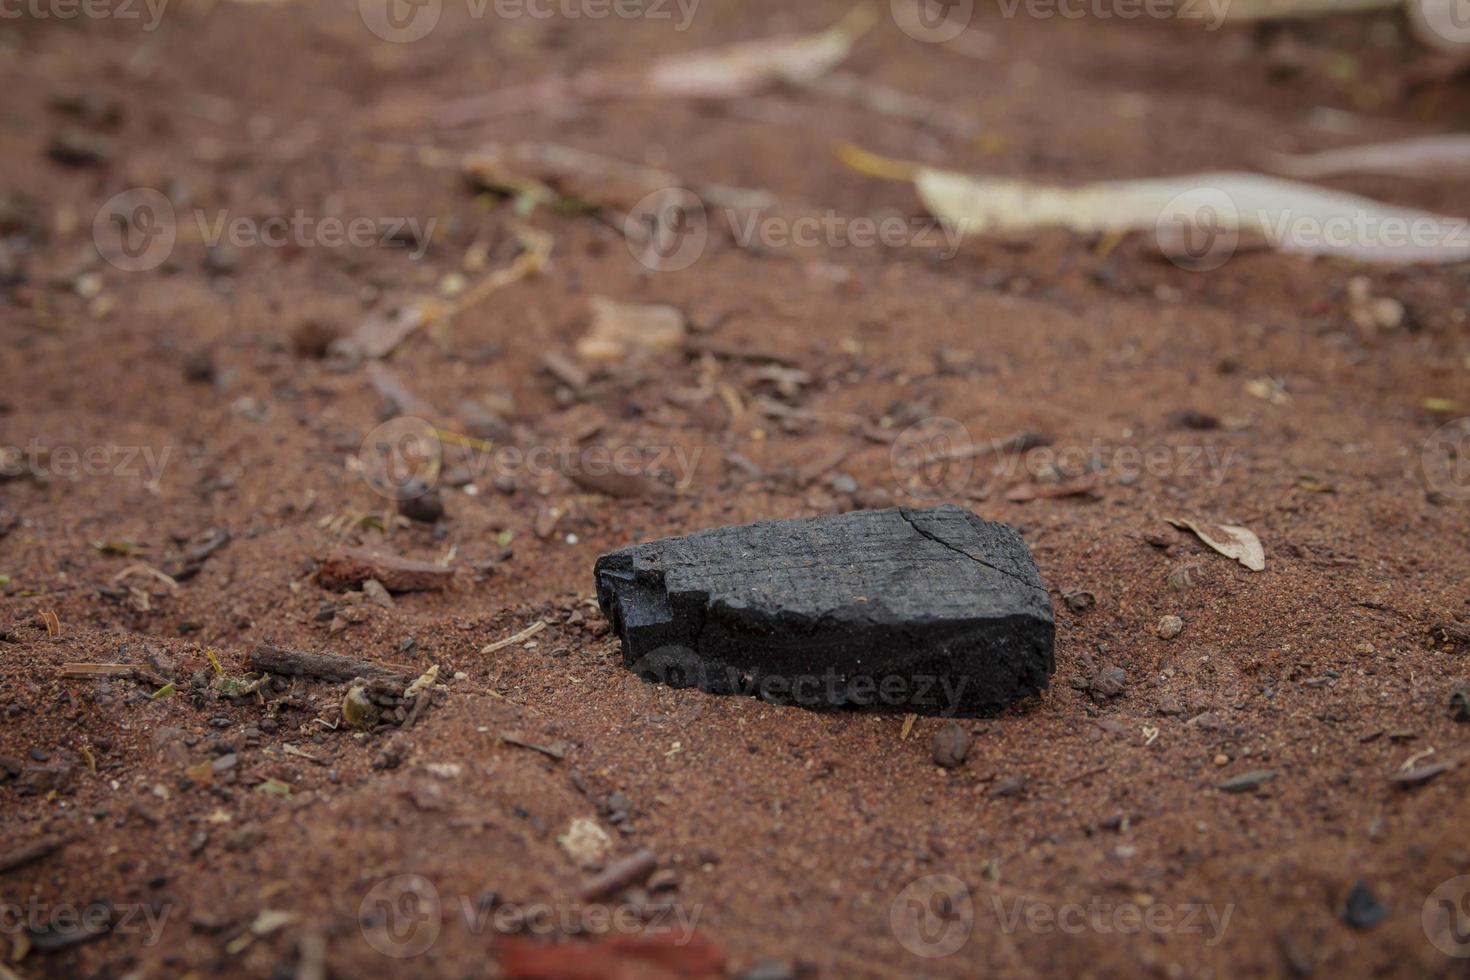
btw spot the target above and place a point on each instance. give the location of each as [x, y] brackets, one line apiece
[1229, 540]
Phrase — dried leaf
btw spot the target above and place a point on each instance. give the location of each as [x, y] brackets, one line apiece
[422, 683]
[1445, 155]
[1230, 540]
[1288, 215]
[721, 73]
[744, 69]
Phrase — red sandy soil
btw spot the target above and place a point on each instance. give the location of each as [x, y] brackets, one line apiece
[791, 834]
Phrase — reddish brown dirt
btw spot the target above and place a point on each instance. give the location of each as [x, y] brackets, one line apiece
[792, 833]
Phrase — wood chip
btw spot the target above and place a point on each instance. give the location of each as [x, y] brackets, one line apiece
[1085, 487]
[354, 567]
[325, 666]
[620, 874]
[30, 853]
[1418, 777]
[1247, 782]
[556, 750]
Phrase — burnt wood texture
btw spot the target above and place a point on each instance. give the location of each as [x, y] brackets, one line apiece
[928, 611]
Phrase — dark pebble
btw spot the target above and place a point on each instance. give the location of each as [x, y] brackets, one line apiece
[1362, 910]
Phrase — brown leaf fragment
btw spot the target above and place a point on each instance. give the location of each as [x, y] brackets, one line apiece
[609, 480]
[1084, 487]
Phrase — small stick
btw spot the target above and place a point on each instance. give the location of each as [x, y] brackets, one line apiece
[97, 670]
[524, 634]
[620, 874]
[326, 666]
[33, 851]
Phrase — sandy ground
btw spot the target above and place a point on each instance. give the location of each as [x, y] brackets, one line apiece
[148, 409]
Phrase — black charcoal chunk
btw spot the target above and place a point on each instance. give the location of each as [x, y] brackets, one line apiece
[929, 611]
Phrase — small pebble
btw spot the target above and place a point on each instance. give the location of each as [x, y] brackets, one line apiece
[951, 745]
[1170, 627]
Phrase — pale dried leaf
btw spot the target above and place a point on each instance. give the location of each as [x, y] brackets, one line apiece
[1230, 540]
[1291, 216]
[619, 329]
[744, 69]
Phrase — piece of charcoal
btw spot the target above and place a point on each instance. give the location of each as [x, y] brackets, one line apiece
[929, 611]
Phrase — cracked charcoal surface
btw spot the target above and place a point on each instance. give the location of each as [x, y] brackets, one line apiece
[932, 611]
